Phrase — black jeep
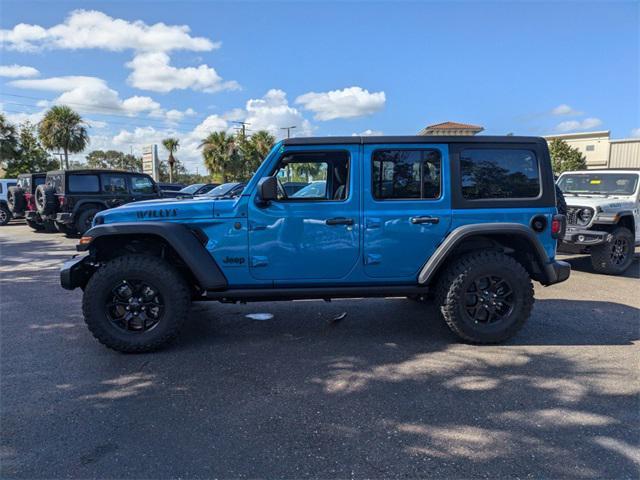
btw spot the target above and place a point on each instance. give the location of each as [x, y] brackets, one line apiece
[71, 198]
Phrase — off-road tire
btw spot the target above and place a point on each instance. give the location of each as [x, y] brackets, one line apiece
[601, 255]
[49, 226]
[37, 226]
[15, 201]
[84, 219]
[170, 284]
[5, 215]
[45, 199]
[452, 289]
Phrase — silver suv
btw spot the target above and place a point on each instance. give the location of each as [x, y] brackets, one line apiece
[603, 214]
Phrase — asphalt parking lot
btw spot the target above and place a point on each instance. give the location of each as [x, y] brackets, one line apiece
[385, 393]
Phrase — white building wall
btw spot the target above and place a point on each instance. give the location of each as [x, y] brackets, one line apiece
[625, 154]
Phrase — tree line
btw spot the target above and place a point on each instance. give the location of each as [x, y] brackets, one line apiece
[63, 132]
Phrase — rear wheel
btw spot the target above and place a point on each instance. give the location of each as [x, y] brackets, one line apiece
[615, 256]
[485, 297]
[63, 228]
[84, 219]
[136, 303]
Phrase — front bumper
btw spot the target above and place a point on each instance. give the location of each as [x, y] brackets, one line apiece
[577, 236]
[65, 218]
[75, 272]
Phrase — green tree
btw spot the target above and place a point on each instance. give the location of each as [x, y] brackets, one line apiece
[259, 145]
[565, 158]
[220, 152]
[8, 142]
[171, 145]
[114, 160]
[63, 129]
[31, 156]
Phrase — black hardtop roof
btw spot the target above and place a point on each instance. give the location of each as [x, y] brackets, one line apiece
[31, 175]
[364, 140]
[94, 171]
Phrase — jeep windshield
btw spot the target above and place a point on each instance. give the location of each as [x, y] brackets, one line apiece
[599, 183]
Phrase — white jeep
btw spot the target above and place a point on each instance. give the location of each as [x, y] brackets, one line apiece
[603, 217]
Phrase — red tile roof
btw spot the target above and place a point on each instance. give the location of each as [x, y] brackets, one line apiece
[452, 126]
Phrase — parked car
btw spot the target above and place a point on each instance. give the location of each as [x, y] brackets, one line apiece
[72, 198]
[603, 214]
[169, 189]
[21, 201]
[226, 190]
[292, 187]
[471, 219]
[193, 190]
[5, 213]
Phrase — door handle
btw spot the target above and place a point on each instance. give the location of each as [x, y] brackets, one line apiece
[421, 220]
[339, 221]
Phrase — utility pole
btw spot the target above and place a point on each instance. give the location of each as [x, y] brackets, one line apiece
[288, 129]
[242, 127]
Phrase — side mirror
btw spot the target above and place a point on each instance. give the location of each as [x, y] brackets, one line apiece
[267, 189]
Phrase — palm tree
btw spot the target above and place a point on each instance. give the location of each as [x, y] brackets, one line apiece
[63, 129]
[219, 152]
[262, 142]
[8, 140]
[171, 144]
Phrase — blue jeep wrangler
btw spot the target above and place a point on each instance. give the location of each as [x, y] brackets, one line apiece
[469, 219]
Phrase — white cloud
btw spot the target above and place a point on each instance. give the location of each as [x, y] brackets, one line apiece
[174, 116]
[84, 29]
[272, 112]
[635, 132]
[18, 71]
[564, 109]
[573, 125]
[368, 133]
[89, 95]
[152, 71]
[347, 103]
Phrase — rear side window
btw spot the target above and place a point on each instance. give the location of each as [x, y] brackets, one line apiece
[499, 173]
[114, 184]
[406, 174]
[83, 183]
[140, 184]
[25, 183]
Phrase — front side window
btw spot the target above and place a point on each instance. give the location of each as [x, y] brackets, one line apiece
[499, 173]
[406, 174]
[140, 184]
[324, 175]
[84, 183]
[114, 184]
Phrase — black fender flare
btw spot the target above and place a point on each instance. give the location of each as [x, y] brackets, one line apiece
[181, 238]
[612, 218]
[549, 269]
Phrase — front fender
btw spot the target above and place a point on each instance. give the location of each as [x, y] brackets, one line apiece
[186, 243]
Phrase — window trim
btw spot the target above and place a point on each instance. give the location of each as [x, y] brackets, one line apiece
[115, 174]
[68, 178]
[311, 200]
[407, 148]
[546, 197]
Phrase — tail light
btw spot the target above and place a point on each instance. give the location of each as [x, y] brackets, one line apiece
[558, 224]
[62, 200]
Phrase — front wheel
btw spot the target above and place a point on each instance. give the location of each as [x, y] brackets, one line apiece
[136, 303]
[85, 219]
[37, 226]
[5, 215]
[616, 255]
[485, 297]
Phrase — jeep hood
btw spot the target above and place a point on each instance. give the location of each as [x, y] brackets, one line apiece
[605, 204]
[168, 209]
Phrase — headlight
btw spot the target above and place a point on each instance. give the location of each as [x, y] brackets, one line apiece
[584, 216]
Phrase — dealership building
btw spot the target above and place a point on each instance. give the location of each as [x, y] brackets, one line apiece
[601, 151]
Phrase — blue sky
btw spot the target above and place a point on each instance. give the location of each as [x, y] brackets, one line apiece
[329, 68]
